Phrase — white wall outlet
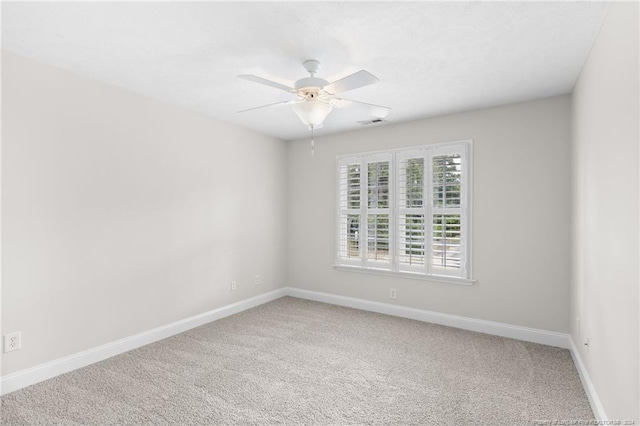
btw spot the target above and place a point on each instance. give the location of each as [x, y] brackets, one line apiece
[12, 341]
[392, 293]
[233, 286]
[256, 280]
[587, 343]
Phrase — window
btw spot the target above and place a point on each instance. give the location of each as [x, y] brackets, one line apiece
[406, 211]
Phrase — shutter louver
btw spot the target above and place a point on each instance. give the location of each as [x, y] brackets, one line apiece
[412, 235]
[447, 172]
[446, 248]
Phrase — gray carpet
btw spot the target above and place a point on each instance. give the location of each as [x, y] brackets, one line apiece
[294, 362]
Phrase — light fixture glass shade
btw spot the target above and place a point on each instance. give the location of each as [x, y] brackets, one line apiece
[312, 113]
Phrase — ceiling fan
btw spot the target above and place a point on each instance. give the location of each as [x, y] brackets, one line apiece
[316, 97]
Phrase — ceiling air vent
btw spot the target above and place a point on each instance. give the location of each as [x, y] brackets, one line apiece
[374, 121]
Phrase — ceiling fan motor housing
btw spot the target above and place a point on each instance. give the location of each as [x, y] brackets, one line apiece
[310, 82]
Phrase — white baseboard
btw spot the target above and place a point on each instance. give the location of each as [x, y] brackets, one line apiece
[587, 384]
[534, 335]
[30, 376]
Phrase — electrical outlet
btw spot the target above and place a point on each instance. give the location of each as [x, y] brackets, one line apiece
[392, 293]
[233, 286]
[13, 341]
[587, 343]
[256, 280]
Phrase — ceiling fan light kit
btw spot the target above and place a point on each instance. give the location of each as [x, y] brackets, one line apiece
[312, 112]
[316, 96]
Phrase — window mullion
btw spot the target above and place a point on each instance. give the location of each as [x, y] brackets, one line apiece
[428, 211]
[388, 210]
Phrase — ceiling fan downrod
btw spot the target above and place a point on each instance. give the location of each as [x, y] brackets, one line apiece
[311, 66]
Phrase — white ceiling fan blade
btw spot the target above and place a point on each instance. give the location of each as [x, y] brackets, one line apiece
[371, 109]
[266, 106]
[266, 82]
[350, 82]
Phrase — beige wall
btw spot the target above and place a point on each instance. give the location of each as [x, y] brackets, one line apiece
[521, 213]
[605, 213]
[121, 214]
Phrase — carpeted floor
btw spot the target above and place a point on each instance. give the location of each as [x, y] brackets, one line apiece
[297, 362]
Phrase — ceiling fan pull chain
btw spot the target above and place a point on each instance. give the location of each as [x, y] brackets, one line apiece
[313, 152]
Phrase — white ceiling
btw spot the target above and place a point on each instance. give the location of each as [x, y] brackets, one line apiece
[432, 58]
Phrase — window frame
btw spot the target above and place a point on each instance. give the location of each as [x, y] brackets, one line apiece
[393, 267]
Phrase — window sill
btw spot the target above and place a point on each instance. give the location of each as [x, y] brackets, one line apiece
[410, 275]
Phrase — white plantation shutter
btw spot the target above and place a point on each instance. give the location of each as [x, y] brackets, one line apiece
[406, 211]
[349, 212]
[364, 213]
[447, 221]
[378, 211]
[411, 211]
